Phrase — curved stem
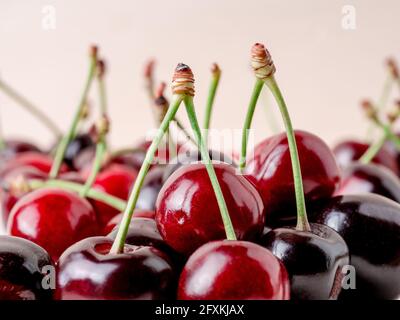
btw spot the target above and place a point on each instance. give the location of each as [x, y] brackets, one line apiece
[373, 150]
[302, 221]
[229, 230]
[26, 104]
[59, 156]
[112, 201]
[120, 238]
[184, 130]
[210, 102]
[247, 124]
[96, 166]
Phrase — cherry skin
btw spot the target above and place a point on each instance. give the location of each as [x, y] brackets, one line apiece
[14, 147]
[10, 196]
[358, 178]
[370, 225]
[132, 158]
[270, 169]
[187, 211]
[117, 219]
[88, 271]
[116, 180]
[53, 219]
[150, 189]
[233, 270]
[349, 151]
[23, 266]
[314, 260]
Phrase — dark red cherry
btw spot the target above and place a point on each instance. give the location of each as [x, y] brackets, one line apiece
[233, 270]
[370, 225]
[12, 193]
[358, 178]
[349, 151]
[14, 147]
[187, 212]
[150, 189]
[23, 266]
[116, 180]
[117, 219]
[53, 219]
[88, 271]
[314, 260]
[163, 154]
[270, 169]
[132, 158]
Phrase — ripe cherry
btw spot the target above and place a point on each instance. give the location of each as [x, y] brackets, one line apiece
[270, 169]
[53, 219]
[81, 143]
[233, 270]
[88, 271]
[187, 212]
[150, 189]
[117, 219]
[13, 148]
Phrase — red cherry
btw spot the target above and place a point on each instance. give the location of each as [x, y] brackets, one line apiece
[117, 219]
[116, 180]
[53, 219]
[349, 151]
[162, 155]
[13, 148]
[233, 270]
[88, 271]
[270, 169]
[187, 211]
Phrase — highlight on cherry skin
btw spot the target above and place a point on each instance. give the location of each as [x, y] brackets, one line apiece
[175, 218]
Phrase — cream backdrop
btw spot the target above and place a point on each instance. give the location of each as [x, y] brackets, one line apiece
[323, 69]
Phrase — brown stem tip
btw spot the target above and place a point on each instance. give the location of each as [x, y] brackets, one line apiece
[183, 80]
[392, 66]
[93, 51]
[101, 67]
[215, 70]
[261, 61]
[160, 98]
[369, 109]
[149, 69]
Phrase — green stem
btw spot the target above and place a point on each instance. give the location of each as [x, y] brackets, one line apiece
[229, 230]
[185, 132]
[36, 112]
[73, 128]
[112, 201]
[373, 150]
[120, 238]
[102, 95]
[302, 221]
[210, 102]
[247, 124]
[96, 166]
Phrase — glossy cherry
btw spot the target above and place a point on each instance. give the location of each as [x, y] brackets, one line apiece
[23, 266]
[349, 151]
[132, 158]
[188, 215]
[53, 219]
[233, 270]
[116, 180]
[358, 178]
[314, 260]
[270, 169]
[14, 147]
[370, 225]
[88, 271]
[117, 219]
[150, 189]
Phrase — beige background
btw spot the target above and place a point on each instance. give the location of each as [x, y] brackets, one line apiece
[323, 69]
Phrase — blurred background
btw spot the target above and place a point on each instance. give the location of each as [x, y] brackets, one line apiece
[329, 55]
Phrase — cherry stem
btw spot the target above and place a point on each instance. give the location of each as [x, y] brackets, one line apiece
[302, 220]
[31, 108]
[184, 130]
[247, 124]
[62, 146]
[120, 238]
[373, 150]
[205, 156]
[112, 201]
[216, 75]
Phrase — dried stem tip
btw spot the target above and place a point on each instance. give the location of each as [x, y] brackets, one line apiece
[149, 68]
[183, 80]
[369, 109]
[215, 70]
[101, 67]
[392, 66]
[160, 98]
[103, 125]
[261, 62]
[93, 50]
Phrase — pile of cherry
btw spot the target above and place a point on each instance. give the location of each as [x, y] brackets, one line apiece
[171, 220]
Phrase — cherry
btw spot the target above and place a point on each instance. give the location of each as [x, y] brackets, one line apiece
[14, 147]
[117, 219]
[131, 158]
[314, 260]
[88, 271]
[53, 219]
[370, 225]
[115, 180]
[233, 270]
[150, 189]
[163, 154]
[23, 266]
[187, 211]
[81, 143]
[270, 169]
[349, 151]
[360, 178]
